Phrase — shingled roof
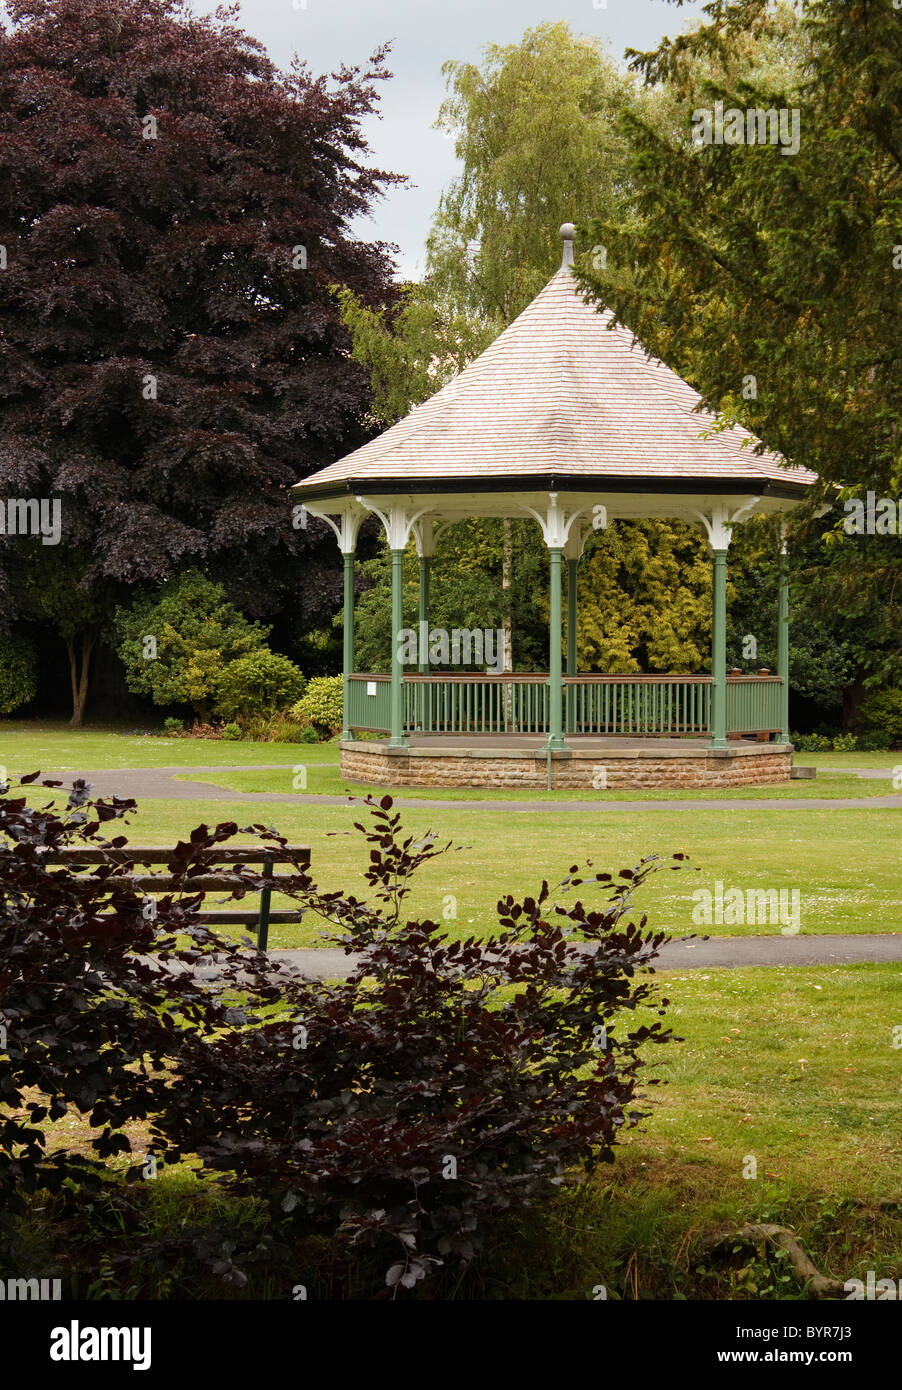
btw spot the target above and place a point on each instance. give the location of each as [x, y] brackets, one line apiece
[567, 397]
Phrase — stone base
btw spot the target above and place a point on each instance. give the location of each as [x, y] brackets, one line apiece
[654, 763]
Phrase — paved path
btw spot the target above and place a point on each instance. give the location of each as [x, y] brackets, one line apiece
[684, 954]
[159, 784]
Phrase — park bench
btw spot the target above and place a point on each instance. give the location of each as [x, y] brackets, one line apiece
[151, 883]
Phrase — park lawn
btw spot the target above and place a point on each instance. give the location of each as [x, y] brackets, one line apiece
[791, 1068]
[322, 778]
[844, 863]
[26, 745]
[888, 760]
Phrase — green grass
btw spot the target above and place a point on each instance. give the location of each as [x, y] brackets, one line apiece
[793, 1068]
[26, 745]
[886, 760]
[844, 863]
[322, 778]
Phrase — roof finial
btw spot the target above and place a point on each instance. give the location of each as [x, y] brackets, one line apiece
[568, 232]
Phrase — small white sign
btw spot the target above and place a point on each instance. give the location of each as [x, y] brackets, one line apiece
[371, 687]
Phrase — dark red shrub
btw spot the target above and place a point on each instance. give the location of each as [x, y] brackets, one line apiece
[442, 1085]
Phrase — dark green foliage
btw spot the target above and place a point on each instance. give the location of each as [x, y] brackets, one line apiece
[257, 684]
[320, 707]
[881, 713]
[741, 260]
[176, 644]
[18, 673]
[811, 743]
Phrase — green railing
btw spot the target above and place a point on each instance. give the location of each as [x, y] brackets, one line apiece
[369, 703]
[476, 704]
[754, 704]
[630, 706]
[636, 705]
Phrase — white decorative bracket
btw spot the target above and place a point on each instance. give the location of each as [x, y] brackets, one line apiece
[745, 511]
[576, 541]
[346, 531]
[555, 523]
[719, 526]
[398, 523]
[425, 537]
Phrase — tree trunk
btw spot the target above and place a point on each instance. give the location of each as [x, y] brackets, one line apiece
[852, 697]
[79, 669]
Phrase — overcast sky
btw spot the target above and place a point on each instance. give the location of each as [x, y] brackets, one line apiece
[424, 35]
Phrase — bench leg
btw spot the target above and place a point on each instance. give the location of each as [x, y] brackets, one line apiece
[265, 897]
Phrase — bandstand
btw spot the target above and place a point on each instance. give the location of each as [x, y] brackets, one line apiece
[565, 419]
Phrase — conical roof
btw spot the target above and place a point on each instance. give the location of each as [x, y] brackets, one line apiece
[564, 397]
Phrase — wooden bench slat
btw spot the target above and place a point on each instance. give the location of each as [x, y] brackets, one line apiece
[200, 883]
[158, 855]
[225, 916]
[185, 884]
[251, 919]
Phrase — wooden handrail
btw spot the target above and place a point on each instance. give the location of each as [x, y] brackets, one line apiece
[522, 678]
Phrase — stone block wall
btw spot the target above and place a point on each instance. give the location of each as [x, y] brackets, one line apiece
[740, 766]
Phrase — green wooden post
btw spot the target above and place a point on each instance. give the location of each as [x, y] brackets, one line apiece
[555, 703]
[265, 896]
[347, 651]
[719, 653]
[572, 566]
[783, 642]
[423, 628]
[397, 739]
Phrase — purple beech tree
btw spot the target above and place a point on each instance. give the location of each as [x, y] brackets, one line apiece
[175, 214]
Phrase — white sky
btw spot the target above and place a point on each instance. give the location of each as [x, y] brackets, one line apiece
[426, 33]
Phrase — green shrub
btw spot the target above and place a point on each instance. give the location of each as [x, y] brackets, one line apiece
[845, 743]
[285, 730]
[257, 684]
[175, 644]
[18, 673]
[811, 743]
[233, 732]
[173, 727]
[277, 728]
[873, 742]
[882, 714]
[321, 705]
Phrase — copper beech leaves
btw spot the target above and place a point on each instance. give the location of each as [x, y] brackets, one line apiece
[405, 1110]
